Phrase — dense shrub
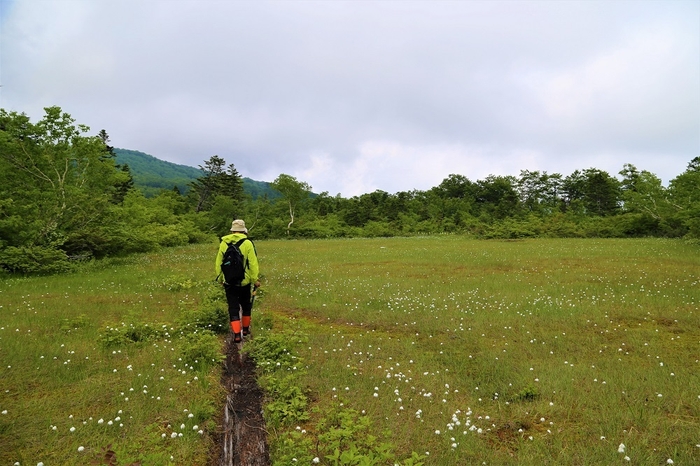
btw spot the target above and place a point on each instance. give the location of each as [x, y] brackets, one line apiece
[199, 350]
[34, 259]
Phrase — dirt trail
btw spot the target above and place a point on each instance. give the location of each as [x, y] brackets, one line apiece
[243, 439]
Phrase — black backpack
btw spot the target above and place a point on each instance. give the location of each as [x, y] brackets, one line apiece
[233, 264]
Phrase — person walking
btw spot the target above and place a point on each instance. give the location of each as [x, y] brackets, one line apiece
[238, 295]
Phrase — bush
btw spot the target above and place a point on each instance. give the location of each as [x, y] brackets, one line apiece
[211, 316]
[271, 352]
[288, 404]
[200, 350]
[130, 333]
[374, 229]
[34, 259]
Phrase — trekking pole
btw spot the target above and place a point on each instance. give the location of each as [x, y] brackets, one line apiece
[252, 298]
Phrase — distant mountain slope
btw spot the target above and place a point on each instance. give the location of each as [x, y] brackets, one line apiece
[152, 174]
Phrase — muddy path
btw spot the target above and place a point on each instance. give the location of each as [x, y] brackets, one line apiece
[242, 438]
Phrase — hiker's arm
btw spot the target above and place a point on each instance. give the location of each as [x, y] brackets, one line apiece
[217, 264]
[253, 270]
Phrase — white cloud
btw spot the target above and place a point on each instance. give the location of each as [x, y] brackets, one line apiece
[357, 96]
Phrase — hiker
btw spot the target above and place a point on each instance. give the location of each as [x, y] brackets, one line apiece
[239, 294]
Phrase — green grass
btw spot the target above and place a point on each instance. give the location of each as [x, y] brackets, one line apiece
[61, 389]
[570, 347]
[545, 351]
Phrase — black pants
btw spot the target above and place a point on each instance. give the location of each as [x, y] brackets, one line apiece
[238, 296]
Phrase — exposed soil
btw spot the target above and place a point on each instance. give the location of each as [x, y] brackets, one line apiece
[242, 440]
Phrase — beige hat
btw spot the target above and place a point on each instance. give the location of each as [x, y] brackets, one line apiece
[239, 225]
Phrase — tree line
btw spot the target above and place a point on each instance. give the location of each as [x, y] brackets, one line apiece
[64, 199]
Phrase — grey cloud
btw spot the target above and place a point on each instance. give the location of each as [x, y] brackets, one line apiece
[304, 87]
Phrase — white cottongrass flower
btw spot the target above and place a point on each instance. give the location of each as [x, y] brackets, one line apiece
[316, 460]
[81, 449]
[173, 435]
[621, 448]
[669, 461]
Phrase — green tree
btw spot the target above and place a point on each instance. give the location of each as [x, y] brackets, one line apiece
[455, 187]
[684, 194]
[539, 192]
[217, 180]
[496, 196]
[54, 177]
[592, 192]
[56, 184]
[643, 192]
[123, 187]
[293, 192]
[602, 192]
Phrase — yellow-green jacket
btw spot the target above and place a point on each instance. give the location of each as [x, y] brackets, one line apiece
[252, 269]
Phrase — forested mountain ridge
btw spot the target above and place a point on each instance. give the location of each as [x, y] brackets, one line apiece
[152, 174]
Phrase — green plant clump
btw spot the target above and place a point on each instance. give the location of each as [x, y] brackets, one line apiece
[200, 350]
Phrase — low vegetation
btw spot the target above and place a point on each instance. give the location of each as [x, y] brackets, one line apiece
[426, 350]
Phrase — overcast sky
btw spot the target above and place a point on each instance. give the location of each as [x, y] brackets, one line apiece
[357, 96]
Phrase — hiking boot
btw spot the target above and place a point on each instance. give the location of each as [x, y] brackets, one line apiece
[246, 331]
[237, 338]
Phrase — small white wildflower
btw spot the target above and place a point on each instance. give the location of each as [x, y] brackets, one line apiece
[81, 449]
[621, 448]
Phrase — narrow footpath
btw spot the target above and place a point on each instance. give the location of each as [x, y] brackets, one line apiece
[242, 440]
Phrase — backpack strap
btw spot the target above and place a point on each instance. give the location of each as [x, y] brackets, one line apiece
[238, 245]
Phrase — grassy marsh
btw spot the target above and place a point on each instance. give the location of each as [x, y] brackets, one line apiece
[547, 351]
